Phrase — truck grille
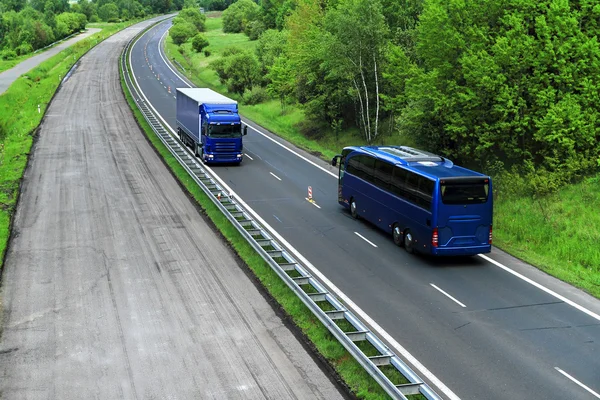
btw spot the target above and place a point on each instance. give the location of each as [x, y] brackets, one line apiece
[225, 147]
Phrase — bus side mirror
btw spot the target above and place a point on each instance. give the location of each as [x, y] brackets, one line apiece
[334, 160]
[246, 130]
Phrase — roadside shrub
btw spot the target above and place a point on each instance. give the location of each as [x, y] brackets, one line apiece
[256, 95]
[24, 48]
[238, 15]
[8, 54]
[181, 32]
[199, 42]
[206, 53]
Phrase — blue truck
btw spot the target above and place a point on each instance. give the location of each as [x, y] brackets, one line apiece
[209, 123]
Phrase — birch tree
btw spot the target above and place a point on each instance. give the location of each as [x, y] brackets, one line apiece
[358, 38]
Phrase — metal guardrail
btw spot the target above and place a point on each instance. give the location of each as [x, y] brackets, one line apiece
[323, 304]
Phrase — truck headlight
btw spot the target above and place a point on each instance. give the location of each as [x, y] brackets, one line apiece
[239, 156]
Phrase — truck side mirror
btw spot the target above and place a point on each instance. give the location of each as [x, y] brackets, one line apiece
[334, 160]
[246, 130]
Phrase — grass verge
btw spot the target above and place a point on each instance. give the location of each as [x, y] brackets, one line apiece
[558, 233]
[347, 368]
[19, 119]
[555, 234]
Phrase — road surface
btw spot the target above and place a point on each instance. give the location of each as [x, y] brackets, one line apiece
[485, 332]
[115, 286]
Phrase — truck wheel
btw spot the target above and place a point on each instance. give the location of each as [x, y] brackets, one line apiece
[196, 150]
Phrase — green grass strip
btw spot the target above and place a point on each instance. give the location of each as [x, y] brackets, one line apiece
[359, 382]
[558, 234]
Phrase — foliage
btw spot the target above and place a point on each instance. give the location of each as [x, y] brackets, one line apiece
[199, 42]
[238, 70]
[254, 29]
[271, 44]
[109, 12]
[181, 32]
[255, 95]
[193, 16]
[215, 5]
[238, 15]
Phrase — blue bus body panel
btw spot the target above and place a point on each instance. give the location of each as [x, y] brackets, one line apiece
[463, 229]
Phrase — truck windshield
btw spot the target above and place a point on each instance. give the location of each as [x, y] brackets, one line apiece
[225, 131]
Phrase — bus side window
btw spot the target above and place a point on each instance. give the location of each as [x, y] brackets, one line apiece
[383, 174]
[398, 182]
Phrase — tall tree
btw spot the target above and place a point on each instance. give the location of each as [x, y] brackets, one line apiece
[359, 36]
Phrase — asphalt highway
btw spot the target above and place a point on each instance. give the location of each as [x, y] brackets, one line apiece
[491, 328]
[115, 286]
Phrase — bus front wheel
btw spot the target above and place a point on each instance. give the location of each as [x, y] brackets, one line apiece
[397, 234]
[353, 209]
[408, 241]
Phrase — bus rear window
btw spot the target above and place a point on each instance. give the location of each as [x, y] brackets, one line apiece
[467, 192]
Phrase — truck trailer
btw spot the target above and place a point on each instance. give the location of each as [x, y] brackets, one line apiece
[209, 123]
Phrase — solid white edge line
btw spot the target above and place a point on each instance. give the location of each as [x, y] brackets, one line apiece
[447, 295]
[251, 127]
[397, 347]
[365, 239]
[577, 382]
[276, 177]
[496, 263]
[543, 288]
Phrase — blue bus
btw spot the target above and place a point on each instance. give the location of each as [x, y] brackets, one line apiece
[428, 204]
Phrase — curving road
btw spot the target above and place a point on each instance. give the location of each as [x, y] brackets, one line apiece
[115, 287]
[486, 327]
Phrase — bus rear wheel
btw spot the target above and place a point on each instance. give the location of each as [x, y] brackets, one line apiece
[353, 209]
[409, 241]
[397, 234]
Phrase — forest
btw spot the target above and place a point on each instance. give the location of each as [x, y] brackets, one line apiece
[26, 26]
[510, 87]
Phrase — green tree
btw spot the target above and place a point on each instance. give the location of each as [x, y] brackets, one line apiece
[195, 17]
[271, 44]
[108, 12]
[238, 15]
[238, 70]
[181, 32]
[356, 52]
[199, 42]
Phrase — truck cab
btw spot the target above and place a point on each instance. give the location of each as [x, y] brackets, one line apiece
[221, 134]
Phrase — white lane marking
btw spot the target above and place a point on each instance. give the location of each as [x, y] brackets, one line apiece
[543, 288]
[365, 239]
[293, 152]
[577, 382]
[447, 295]
[246, 154]
[277, 218]
[276, 177]
[256, 130]
[397, 347]
[312, 202]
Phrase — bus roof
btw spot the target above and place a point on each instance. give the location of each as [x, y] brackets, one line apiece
[424, 162]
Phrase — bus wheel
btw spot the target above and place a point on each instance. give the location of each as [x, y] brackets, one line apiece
[397, 233]
[353, 209]
[408, 241]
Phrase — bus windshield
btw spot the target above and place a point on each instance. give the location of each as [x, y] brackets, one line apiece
[471, 191]
[225, 131]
